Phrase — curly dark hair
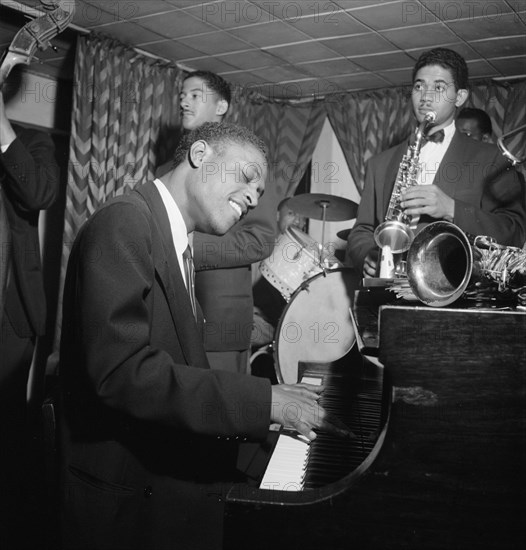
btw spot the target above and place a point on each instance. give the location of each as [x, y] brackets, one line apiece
[218, 135]
[447, 59]
[482, 118]
[219, 85]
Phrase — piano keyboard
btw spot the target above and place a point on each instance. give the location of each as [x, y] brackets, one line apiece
[298, 464]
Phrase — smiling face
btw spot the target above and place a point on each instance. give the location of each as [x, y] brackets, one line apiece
[434, 90]
[226, 185]
[200, 104]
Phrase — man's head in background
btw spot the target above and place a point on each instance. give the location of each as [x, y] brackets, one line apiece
[204, 97]
[474, 123]
[287, 217]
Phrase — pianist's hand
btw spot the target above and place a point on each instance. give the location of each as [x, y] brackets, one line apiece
[296, 406]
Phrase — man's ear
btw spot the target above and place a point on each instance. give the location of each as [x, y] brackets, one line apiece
[462, 97]
[222, 107]
[486, 138]
[196, 153]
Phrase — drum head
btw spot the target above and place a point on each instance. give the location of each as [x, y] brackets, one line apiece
[316, 325]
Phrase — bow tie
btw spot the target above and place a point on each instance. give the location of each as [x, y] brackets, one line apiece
[437, 137]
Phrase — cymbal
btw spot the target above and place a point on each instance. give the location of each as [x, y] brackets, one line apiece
[312, 205]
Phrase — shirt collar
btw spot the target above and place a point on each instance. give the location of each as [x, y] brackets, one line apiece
[449, 132]
[177, 225]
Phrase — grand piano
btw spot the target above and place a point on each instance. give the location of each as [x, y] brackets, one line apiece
[436, 400]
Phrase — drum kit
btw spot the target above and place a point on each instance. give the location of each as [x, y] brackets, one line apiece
[316, 324]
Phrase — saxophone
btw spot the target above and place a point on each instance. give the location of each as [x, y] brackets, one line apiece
[395, 235]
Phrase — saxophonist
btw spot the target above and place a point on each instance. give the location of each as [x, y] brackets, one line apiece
[458, 179]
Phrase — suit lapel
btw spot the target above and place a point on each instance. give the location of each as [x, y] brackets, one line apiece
[167, 267]
[449, 170]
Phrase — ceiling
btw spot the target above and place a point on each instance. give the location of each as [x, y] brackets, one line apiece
[294, 49]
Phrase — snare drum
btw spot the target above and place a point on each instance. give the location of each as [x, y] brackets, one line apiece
[316, 325]
[296, 258]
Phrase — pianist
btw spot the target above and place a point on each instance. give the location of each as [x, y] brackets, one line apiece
[149, 430]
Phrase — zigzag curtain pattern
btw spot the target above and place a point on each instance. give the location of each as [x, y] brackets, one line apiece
[122, 102]
[289, 131]
[367, 123]
[505, 104]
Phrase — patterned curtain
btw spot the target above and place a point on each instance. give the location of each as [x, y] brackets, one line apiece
[367, 123]
[125, 122]
[290, 132]
[505, 104]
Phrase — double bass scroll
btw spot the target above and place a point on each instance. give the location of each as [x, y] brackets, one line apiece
[34, 35]
[37, 34]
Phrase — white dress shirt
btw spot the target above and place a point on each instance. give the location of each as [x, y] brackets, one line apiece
[431, 156]
[177, 225]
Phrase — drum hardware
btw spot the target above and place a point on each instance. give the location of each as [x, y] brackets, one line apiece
[505, 151]
[327, 208]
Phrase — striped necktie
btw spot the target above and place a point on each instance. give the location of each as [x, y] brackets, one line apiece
[189, 273]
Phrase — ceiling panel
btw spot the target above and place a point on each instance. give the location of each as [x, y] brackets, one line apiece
[302, 51]
[498, 47]
[251, 59]
[294, 48]
[331, 67]
[390, 16]
[328, 24]
[187, 25]
[383, 61]
[264, 35]
[360, 44]
[507, 24]
[421, 36]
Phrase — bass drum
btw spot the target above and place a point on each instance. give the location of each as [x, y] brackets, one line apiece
[316, 325]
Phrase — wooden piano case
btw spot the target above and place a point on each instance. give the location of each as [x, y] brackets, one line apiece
[449, 473]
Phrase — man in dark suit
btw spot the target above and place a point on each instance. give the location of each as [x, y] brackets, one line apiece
[149, 431]
[460, 180]
[29, 183]
[223, 262]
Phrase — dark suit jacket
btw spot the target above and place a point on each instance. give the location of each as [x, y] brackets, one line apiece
[145, 462]
[489, 199]
[224, 279]
[30, 182]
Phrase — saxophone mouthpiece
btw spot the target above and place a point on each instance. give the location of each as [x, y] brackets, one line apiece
[430, 116]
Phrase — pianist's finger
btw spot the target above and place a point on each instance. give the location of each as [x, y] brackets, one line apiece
[306, 390]
[333, 425]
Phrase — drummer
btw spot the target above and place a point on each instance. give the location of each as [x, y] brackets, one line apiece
[287, 217]
[268, 301]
